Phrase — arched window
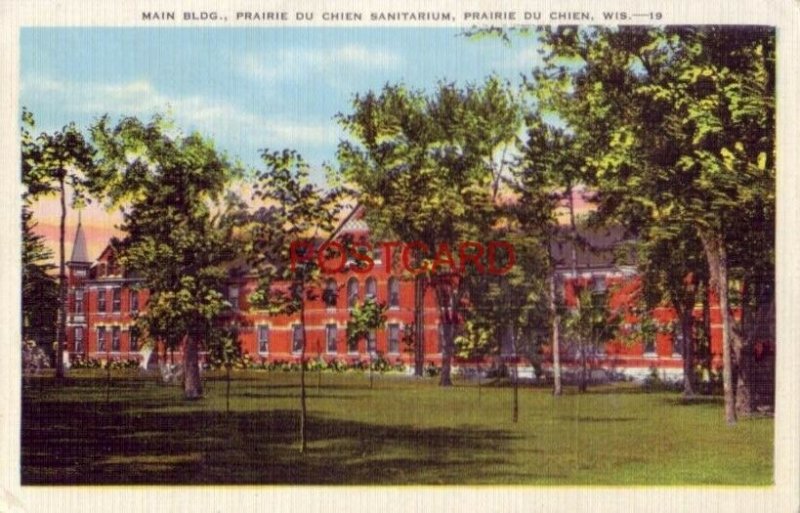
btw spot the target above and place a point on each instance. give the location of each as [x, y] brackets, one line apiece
[352, 292]
[372, 288]
[394, 292]
[330, 294]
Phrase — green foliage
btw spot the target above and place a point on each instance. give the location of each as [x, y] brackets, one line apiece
[365, 318]
[39, 288]
[179, 223]
[296, 210]
[592, 323]
[224, 348]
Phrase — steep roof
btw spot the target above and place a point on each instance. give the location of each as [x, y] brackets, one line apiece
[79, 252]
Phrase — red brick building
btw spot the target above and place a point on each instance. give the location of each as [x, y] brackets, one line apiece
[103, 303]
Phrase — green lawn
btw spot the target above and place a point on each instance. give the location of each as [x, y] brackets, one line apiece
[404, 431]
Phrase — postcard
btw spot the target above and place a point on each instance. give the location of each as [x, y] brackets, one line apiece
[409, 256]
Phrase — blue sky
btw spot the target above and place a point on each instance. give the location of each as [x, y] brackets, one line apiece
[246, 88]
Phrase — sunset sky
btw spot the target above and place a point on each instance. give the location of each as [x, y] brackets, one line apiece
[247, 89]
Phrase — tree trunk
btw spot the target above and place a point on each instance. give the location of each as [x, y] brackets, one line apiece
[446, 318]
[515, 411]
[686, 322]
[555, 344]
[61, 327]
[419, 325]
[227, 388]
[192, 387]
[303, 379]
[583, 385]
[718, 270]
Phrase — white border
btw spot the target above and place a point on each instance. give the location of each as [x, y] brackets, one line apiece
[782, 497]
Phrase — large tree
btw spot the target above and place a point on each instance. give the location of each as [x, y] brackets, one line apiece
[678, 127]
[56, 164]
[179, 227]
[428, 169]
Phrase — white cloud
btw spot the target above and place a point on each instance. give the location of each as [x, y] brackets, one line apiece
[222, 120]
[524, 60]
[295, 63]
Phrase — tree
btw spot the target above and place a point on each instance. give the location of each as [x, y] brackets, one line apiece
[428, 169]
[224, 350]
[39, 288]
[591, 323]
[179, 228]
[513, 306]
[53, 163]
[678, 127]
[365, 319]
[673, 267]
[550, 168]
[296, 214]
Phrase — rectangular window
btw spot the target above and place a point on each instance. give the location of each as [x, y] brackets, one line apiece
[372, 342]
[101, 338]
[78, 301]
[394, 293]
[394, 338]
[263, 339]
[78, 336]
[101, 300]
[133, 339]
[115, 339]
[134, 300]
[297, 338]
[116, 299]
[330, 338]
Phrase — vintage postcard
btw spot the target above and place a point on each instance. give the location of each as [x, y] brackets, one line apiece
[412, 256]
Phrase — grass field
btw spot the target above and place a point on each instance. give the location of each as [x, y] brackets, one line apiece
[404, 431]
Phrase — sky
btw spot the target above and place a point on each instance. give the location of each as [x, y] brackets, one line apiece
[247, 89]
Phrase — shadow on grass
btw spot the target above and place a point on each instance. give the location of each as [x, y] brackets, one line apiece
[116, 443]
[697, 400]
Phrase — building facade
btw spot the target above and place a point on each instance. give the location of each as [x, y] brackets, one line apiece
[103, 303]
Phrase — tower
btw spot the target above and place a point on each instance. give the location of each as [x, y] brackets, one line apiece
[77, 273]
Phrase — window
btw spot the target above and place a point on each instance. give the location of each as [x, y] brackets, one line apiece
[330, 295]
[263, 339]
[78, 301]
[394, 293]
[297, 338]
[101, 300]
[101, 338]
[372, 342]
[233, 296]
[372, 288]
[78, 337]
[115, 339]
[133, 339]
[116, 299]
[330, 338]
[394, 338]
[134, 300]
[352, 292]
